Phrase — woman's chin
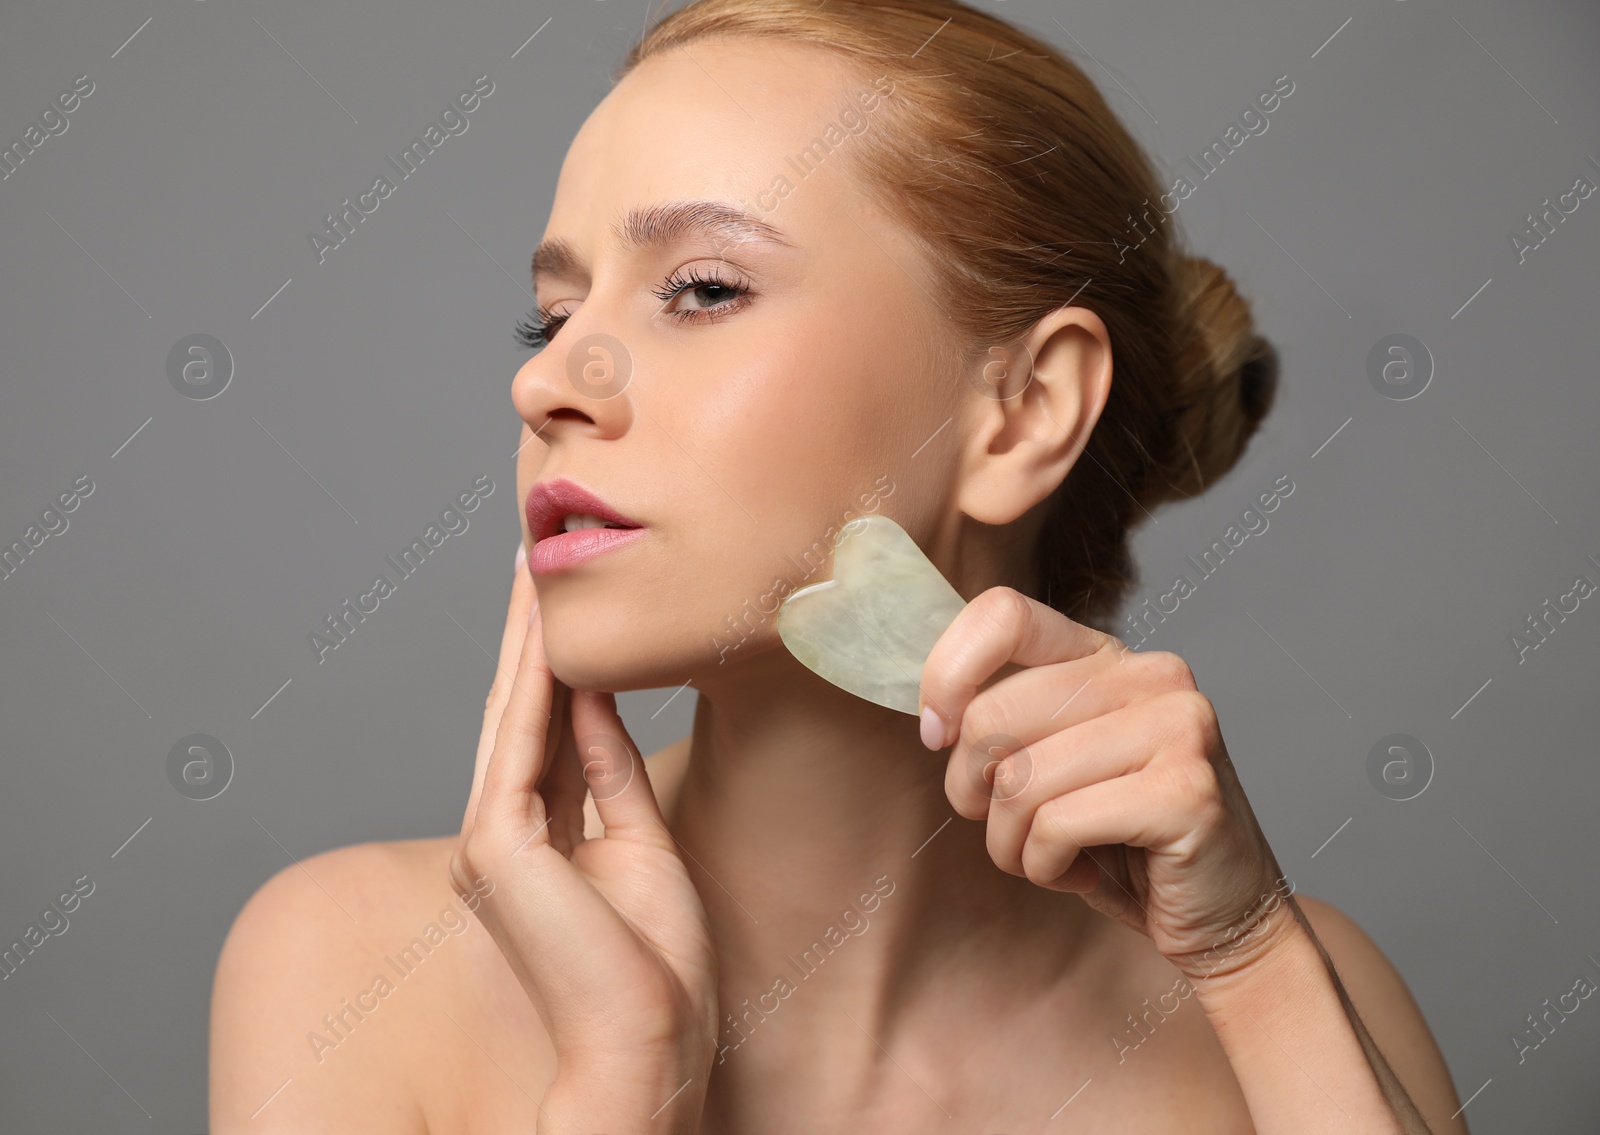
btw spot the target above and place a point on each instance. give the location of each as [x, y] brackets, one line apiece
[615, 657]
[590, 667]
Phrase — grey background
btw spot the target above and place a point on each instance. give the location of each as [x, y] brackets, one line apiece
[373, 388]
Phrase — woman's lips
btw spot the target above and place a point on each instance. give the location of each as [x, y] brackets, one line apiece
[568, 549]
[550, 502]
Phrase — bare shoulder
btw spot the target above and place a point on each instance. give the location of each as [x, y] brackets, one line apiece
[302, 1035]
[1390, 1012]
[357, 991]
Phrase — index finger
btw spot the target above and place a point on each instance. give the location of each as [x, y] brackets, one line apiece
[518, 613]
[997, 634]
[523, 739]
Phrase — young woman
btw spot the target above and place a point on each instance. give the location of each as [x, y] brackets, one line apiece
[805, 262]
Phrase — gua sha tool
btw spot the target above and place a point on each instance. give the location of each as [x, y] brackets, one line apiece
[871, 627]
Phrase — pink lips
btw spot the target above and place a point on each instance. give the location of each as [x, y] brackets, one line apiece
[554, 553]
[548, 505]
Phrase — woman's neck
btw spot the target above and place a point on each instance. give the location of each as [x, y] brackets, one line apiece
[837, 876]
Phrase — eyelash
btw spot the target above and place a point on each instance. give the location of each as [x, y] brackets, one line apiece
[539, 326]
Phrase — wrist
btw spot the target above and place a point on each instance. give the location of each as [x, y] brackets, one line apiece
[1284, 955]
[1294, 1041]
[634, 1094]
[1275, 928]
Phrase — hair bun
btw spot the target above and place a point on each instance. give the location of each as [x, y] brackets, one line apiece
[1258, 380]
[1227, 375]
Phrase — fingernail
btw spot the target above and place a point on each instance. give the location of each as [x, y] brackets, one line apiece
[932, 728]
[522, 554]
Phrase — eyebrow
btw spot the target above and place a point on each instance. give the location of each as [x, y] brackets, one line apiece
[654, 226]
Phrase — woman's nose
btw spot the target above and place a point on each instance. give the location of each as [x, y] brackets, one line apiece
[578, 383]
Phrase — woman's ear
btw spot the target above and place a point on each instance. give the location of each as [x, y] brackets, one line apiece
[1035, 403]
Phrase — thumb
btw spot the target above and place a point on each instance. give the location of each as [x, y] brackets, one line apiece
[614, 770]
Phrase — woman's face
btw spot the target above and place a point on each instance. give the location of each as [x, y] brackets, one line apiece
[739, 394]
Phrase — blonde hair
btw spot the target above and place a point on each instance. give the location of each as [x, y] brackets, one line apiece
[999, 155]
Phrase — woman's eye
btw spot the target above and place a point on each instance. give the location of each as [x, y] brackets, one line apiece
[537, 328]
[709, 296]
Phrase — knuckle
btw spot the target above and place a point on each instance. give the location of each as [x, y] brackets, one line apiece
[1004, 852]
[1047, 838]
[1115, 649]
[499, 690]
[1008, 607]
[1166, 670]
[1038, 874]
[985, 716]
[1050, 824]
[514, 735]
[1202, 789]
[961, 792]
[1200, 713]
[1192, 779]
[1188, 719]
[995, 611]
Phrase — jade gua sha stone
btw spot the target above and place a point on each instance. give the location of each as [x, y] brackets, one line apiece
[870, 628]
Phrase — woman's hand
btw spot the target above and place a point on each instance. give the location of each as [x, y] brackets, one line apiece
[607, 935]
[1102, 771]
